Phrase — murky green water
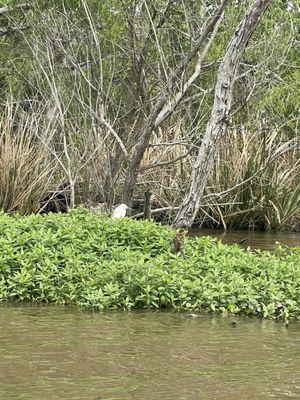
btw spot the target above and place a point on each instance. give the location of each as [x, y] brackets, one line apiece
[61, 353]
[254, 239]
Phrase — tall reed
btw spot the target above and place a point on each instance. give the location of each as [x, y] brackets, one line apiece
[272, 197]
[25, 172]
[268, 163]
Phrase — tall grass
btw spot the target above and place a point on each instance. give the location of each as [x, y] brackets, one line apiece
[271, 199]
[25, 172]
[267, 163]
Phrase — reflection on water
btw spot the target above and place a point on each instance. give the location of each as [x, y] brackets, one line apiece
[254, 239]
[61, 353]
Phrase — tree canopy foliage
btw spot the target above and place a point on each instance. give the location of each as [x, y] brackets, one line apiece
[88, 73]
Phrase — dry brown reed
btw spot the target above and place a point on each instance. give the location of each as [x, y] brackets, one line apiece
[269, 200]
[25, 173]
[267, 163]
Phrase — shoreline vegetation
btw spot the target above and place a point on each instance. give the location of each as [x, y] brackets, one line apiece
[195, 102]
[90, 260]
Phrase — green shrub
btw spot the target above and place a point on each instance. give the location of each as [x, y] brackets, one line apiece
[94, 261]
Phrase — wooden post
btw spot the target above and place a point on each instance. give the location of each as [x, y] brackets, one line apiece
[147, 205]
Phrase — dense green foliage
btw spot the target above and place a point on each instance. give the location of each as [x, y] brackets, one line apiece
[94, 261]
[62, 61]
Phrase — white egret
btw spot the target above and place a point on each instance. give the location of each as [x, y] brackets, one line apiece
[120, 211]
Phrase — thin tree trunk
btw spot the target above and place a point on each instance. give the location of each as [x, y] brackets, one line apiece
[219, 119]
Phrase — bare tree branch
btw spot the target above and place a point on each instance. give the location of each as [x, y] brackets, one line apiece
[150, 123]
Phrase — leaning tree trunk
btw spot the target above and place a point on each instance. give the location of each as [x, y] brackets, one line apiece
[219, 119]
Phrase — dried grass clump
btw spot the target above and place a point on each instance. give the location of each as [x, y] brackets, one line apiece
[25, 171]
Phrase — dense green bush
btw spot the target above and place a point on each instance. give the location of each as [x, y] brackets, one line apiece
[94, 261]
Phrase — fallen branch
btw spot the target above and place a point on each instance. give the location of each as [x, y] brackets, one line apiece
[170, 208]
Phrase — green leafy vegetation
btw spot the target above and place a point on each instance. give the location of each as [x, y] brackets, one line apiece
[90, 260]
[66, 65]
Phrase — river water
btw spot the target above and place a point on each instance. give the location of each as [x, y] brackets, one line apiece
[50, 352]
[254, 239]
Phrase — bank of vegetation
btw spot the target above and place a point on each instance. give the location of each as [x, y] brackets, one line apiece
[101, 101]
[90, 260]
